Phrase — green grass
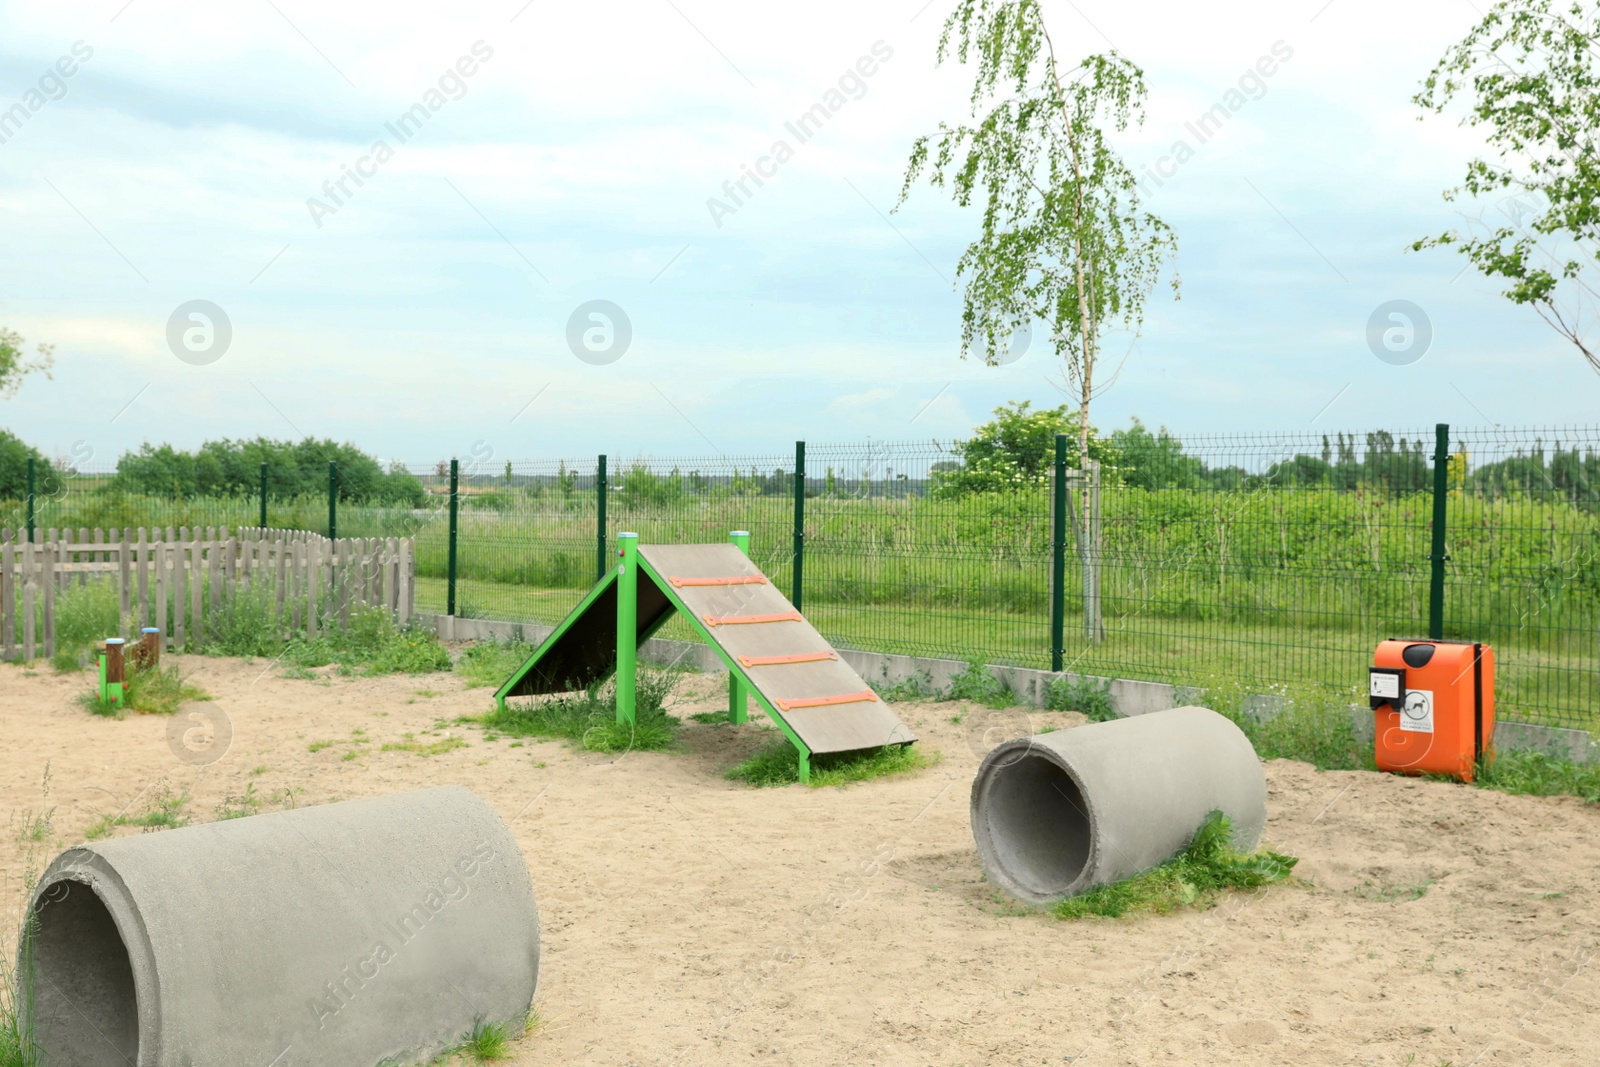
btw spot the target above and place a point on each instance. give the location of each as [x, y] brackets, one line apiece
[241, 806]
[158, 691]
[16, 1042]
[588, 720]
[491, 662]
[918, 687]
[777, 764]
[1195, 878]
[1086, 696]
[1533, 773]
[1391, 892]
[164, 811]
[978, 684]
[409, 743]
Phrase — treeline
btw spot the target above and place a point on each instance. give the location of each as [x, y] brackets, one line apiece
[294, 469]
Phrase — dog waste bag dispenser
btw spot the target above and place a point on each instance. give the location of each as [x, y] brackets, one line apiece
[1433, 703]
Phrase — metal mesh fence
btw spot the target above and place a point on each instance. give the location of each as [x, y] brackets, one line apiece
[1260, 560]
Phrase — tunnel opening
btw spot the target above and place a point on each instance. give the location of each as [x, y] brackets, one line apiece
[75, 980]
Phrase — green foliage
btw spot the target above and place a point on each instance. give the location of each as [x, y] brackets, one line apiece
[589, 719]
[1196, 877]
[777, 764]
[488, 1041]
[233, 468]
[1534, 773]
[14, 456]
[164, 810]
[1528, 71]
[15, 364]
[978, 684]
[915, 688]
[247, 625]
[1064, 239]
[17, 1047]
[1015, 451]
[1308, 723]
[490, 662]
[149, 691]
[1086, 696]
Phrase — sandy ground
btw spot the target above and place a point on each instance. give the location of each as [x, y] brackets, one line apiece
[690, 920]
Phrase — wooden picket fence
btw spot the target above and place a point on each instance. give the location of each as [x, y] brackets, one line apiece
[174, 579]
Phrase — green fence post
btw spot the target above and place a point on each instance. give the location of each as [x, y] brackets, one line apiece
[333, 500]
[1058, 560]
[627, 623]
[455, 504]
[1437, 557]
[799, 525]
[30, 500]
[738, 692]
[263, 496]
[601, 562]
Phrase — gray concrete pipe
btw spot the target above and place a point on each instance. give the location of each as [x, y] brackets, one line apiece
[333, 936]
[1059, 813]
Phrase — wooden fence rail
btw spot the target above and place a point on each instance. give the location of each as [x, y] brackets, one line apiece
[175, 579]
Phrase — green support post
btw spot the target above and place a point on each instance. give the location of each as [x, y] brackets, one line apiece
[601, 559]
[799, 524]
[738, 692]
[30, 500]
[263, 496]
[333, 500]
[1441, 502]
[1058, 560]
[627, 623]
[455, 504]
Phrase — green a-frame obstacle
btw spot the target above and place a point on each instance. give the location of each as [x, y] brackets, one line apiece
[772, 653]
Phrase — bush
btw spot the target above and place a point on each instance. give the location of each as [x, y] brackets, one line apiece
[978, 684]
[490, 662]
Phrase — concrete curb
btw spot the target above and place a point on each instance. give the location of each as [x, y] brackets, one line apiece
[1057, 814]
[1128, 696]
[343, 934]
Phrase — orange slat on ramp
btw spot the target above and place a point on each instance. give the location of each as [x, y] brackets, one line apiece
[867, 723]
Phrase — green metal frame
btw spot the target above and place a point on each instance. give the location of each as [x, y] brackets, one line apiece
[738, 691]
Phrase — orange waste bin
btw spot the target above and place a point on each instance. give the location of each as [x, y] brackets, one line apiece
[1434, 706]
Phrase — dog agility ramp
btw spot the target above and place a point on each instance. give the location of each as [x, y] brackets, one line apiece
[813, 695]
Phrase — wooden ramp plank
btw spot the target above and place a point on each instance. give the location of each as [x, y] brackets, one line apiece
[828, 728]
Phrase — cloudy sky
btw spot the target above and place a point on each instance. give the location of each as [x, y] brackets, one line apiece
[568, 154]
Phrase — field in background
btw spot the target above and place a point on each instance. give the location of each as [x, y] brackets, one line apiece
[1255, 564]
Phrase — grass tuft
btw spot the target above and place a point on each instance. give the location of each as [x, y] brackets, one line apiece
[777, 764]
[491, 662]
[1084, 695]
[589, 719]
[1529, 772]
[918, 687]
[165, 811]
[978, 684]
[1196, 877]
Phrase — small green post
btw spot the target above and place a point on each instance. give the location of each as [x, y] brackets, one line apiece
[627, 623]
[1058, 561]
[1441, 502]
[799, 523]
[738, 692]
[455, 504]
[333, 500]
[30, 500]
[602, 561]
[263, 496]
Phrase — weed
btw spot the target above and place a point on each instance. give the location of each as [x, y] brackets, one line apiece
[489, 1041]
[1196, 877]
[589, 719]
[238, 807]
[490, 662]
[978, 684]
[778, 764]
[710, 718]
[917, 687]
[409, 743]
[1084, 695]
[155, 691]
[1391, 892]
[17, 1047]
[165, 811]
[1528, 771]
